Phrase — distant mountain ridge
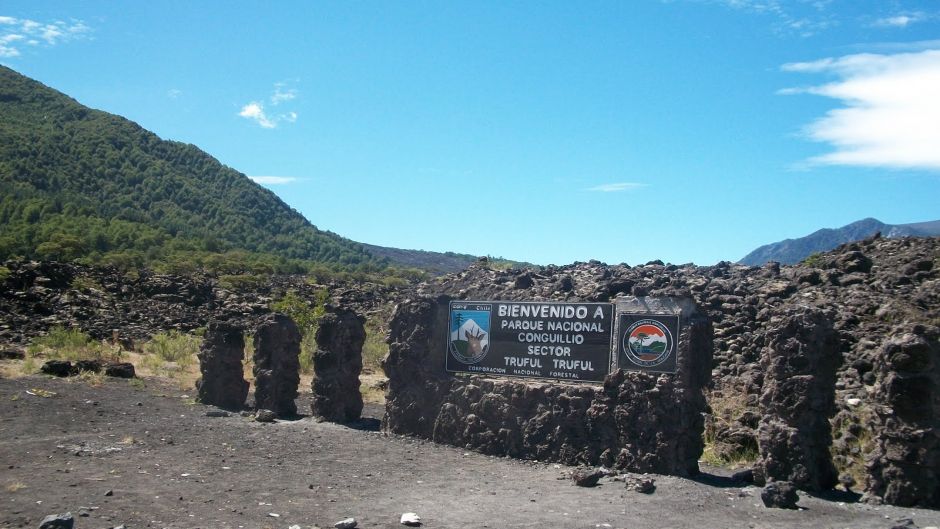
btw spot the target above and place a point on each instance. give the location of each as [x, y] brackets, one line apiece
[791, 251]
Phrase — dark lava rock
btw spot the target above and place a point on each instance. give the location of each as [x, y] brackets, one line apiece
[904, 523]
[905, 466]
[58, 521]
[780, 495]
[120, 370]
[337, 363]
[277, 365]
[58, 368]
[88, 365]
[587, 477]
[220, 361]
[12, 354]
[794, 435]
[641, 484]
[263, 415]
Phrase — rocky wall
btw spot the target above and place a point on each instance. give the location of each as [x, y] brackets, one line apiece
[641, 422]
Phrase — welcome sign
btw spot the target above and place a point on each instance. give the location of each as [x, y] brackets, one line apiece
[530, 339]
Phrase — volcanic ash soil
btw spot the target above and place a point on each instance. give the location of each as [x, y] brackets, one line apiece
[144, 455]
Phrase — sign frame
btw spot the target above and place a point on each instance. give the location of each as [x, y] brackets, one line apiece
[477, 355]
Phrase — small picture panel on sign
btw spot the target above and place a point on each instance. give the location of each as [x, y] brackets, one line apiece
[648, 342]
[470, 333]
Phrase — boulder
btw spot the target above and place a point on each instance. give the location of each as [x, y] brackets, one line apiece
[780, 495]
[58, 368]
[586, 477]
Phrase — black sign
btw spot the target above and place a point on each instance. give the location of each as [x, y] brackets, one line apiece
[530, 339]
[648, 342]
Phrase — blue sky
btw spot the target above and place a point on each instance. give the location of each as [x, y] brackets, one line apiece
[550, 132]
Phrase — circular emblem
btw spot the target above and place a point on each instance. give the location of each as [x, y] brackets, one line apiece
[647, 343]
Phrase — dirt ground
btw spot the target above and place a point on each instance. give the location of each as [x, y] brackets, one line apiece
[167, 464]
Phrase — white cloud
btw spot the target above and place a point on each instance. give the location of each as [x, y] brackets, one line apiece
[273, 180]
[174, 93]
[616, 187]
[31, 32]
[255, 111]
[890, 114]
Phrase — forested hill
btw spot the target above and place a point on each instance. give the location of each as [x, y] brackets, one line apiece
[81, 183]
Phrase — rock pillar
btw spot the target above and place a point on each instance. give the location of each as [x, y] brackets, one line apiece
[797, 400]
[220, 361]
[904, 468]
[277, 365]
[337, 363]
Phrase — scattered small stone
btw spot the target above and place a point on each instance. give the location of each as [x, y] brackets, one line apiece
[586, 477]
[904, 523]
[294, 527]
[410, 519]
[109, 492]
[780, 495]
[274, 515]
[58, 521]
[847, 481]
[348, 523]
[217, 413]
[265, 416]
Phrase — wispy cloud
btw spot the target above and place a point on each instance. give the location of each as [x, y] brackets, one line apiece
[282, 94]
[616, 187]
[18, 33]
[255, 111]
[901, 20]
[174, 93]
[804, 18]
[890, 114]
[273, 180]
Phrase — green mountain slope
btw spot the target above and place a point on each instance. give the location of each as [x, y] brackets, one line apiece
[81, 183]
